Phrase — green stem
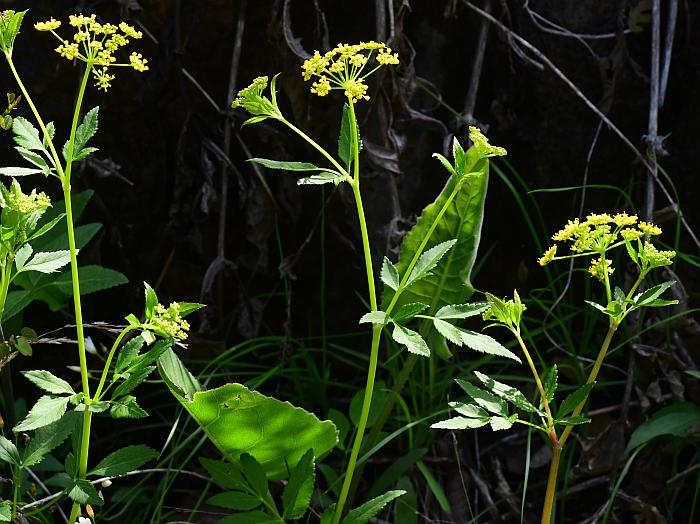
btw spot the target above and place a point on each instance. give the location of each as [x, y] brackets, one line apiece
[315, 145]
[535, 374]
[5, 272]
[551, 486]
[376, 328]
[108, 362]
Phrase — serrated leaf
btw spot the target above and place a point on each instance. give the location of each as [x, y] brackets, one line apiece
[428, 260]
[5, 508]
[26, 135]
[574, 399]
[287, 166]
[254, 474]
[486, 344]
[446, 163]
[501, 423]
[84, 153]
[297, 493]
[345, 137]
[151, 301]
[235, 500]
[661, 303]
[254, 120]
[46, 227]
[83, 492]
[33, 158]
[48, 438]
[85, 131]
[574, 421]
[94, 407]
[46, 410]
[412, 340]
[123, 461]
[134, 380]
[93, 278]
[651, 294]
[22, 255]
[19, 171]
[8, 452]
[225, 474]
[128, 353]
[461, 311]
[369, 509]
[389, 274]
[407, 312]
[187, 308]
[461, 423]
[126, 407]
[486, 400]
[51, 132]
[324, 177]
[506, 392]
[47, 262]
[549, 382]
[48, 382]
[469, 410]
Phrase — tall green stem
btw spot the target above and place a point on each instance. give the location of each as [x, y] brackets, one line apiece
[376, 328]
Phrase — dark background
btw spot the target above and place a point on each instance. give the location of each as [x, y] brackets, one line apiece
[172, 156]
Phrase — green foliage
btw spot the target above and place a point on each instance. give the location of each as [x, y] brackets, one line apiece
[10, 23]
[85, 131]
[363, 513]
[123, 461]
[678, 420]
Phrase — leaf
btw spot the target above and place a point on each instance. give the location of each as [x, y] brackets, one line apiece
[428, 260]
[501, 423]
[84, 153]
[10, 28]
[469, 410]
[8, 452]
[48, 438]
[287, 166]
[235, 500]
[123, 461]
[369, 509]
[176, 375]
[463, 203]
[134, 380]
[85, 131]
[447, 330]
[345, 138]
[19, 171]
[412, 340]
[676, 420]
[47, 262]
[5, 511]
[506, 392]
[225, 474]
[574, 421]
[22, 255]
[48, 382]
[128, 353]
[297, 493]
[255, 120]
[389, 274]
[26, 135]
[324, 177]
[486, 344]
[275, 433]
[46, 410]
[254, 474]
[94, 407]
[461, 423]
[461, 311]
[46, 227]
[16, 302]
[83, 492]
[486, 400]
[187, 308]
[549, 383]
[407, 312]
[151, 302]
[446, 163]
[51, 132]
[92, 278]
[378, 399]
[569, 404]
[375, 317]
[651, 294]
[126, 407]
[33, 158]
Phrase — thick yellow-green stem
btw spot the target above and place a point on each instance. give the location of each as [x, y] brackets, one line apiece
[551, 486]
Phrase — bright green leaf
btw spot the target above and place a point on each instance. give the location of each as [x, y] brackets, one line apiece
[8, 452]
[297, 493]
[412, 340]
[126, 407]
[46, 410]
[389, 274]
[287, 166]
[486, 344]
[569, 404]
[428, 260]
[366, 511]
[506, 392]
[48, 382]
[47, 262]
[407, 311]
[235, 500]
[123, 461]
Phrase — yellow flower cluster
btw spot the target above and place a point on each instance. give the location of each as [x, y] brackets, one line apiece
[596, 268]
[342, 68]
[95, 43]
[481, 144]
[168, 322]
[252, 99]
[26, 204]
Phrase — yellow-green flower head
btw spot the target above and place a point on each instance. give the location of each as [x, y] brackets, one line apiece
[654, 257]
[595, 219]
[343, 68]
[630, 234]
[649, 229]
[623, 219]
[481, 143]
[25, 204]
[548, 256]
[49, 25]
[95, 44]
[168, 322]
[252, 99]
[597, 271]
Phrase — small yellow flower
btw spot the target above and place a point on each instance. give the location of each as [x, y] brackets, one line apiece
[49, 25]
[386, 58]
[623, 219]
[102, 78]
[138, 62]
[68, 50]
[130, 31]
[595, 220]
[572, 226]
[548, 256]
[631, 234]
[80, 20]
[322, 87]
[481, 143]
[596, 269]
[356, 90]
[649, 229]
